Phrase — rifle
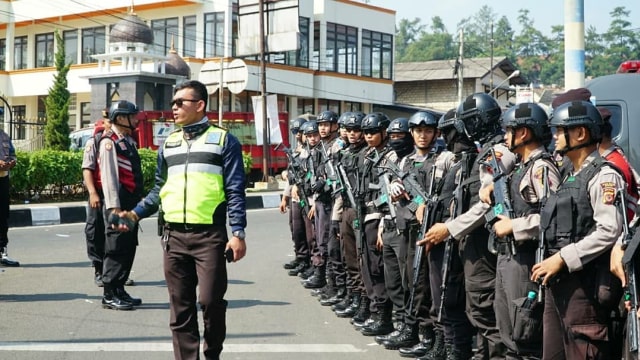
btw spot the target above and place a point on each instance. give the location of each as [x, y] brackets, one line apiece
[332, 175]
[297, 171]
[382, 186]
[502, 202]
[541, 242]
[631, 292]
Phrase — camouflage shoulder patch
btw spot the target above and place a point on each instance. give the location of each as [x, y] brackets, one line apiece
[213, 138]
[608, 192]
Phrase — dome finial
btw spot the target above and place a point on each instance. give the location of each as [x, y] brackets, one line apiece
[173, 49]
[131, 9]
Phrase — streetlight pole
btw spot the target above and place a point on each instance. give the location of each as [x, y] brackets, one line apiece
[513, 74]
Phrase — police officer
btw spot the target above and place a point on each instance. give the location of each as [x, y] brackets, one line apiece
[357, 302]
[296, 217]
[527, 135]
[477, 120]
[121, 181]
[7, 162]
[581, 223]
[200, 168]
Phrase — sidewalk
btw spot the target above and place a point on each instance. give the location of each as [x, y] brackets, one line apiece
[76, 212]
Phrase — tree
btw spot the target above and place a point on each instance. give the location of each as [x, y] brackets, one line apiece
[621, 39]
[56, 130]
[407, 33]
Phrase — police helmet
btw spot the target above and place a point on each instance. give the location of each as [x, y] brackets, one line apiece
[345, 115]
[529, 115]
[376, 121]
[398, 126]
[327, 116]
[310, 127]
[354, 120]
[447, 120]
[122, 107]
[296, 125]
[480, 114]
[578, 113]
[422, 118]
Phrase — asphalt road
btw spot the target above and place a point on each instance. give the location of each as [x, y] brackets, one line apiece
[50, 308]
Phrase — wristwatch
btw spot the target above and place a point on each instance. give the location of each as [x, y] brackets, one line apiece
[239, 234]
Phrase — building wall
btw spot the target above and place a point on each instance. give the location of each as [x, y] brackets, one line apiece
[439, 95]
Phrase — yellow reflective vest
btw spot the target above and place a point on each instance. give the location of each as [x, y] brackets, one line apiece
[194, 187]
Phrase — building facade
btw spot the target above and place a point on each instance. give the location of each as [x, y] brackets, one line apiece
[344, 59]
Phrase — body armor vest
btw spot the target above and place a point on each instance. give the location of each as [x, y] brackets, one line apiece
[521, 207]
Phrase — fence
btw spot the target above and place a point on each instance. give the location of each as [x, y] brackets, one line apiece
[27, 135]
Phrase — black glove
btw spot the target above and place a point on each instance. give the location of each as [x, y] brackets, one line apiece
[335, 227]
[116, 220]
[318, 186]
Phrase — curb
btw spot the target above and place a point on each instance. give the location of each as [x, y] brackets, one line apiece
[72, 213]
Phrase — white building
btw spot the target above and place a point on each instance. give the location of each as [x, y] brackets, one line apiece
[344, 62]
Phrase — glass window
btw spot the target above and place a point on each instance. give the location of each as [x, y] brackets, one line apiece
[326, 104]
[44, 50]
[214, 34]
[3, 63]
[377, 57]
[305, 106]
[70, 39]
[19, 122]
[93, 42]
[20, 52]
[189, 36]
[164, 32]
[315, 60]
[85, 117]
[342, 48]
[352, 106]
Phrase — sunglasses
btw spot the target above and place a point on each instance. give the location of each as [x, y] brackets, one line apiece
[180, 102]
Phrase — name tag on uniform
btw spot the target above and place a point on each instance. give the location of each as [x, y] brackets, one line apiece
[213, 138]
[172, 144]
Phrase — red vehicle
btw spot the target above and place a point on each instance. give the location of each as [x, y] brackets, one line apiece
[629, 66]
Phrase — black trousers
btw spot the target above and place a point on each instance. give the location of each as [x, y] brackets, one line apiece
[194, 258]
[422, 299]
[94, 232]
[394, 254]
[373, 268]
[5, 187]
[119, 247]
[350, 252]
[298, 231]
[322, 222]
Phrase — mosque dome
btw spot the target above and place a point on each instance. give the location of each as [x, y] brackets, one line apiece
[131, 29]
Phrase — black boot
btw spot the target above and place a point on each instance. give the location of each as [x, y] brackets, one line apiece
[382, 338]
[421, 348]
[340, 295]
[345, 303]
[382, 323]
[407, 337]
[328, 290]
[124, 296]
[363, 312]
[302, 266]
[110, 300]
[457, 353]
[351, 310]
[317, 280]
[6, 260]
[292, 264]
[307, 273]
[438, 351]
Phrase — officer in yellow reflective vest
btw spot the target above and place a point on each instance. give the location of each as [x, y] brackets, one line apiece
[199, 181]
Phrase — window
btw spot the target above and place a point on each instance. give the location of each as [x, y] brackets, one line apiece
[85, 117]
[326, 104]
[352, 106]
[19, 115]
[164, 32]
[93, 42]
[44, 50]
[189, 36]
[214, 34]
[305, 106]
[315, 60]
[342, 48]
[3, 63]
[20, 52]
[70, 39]
[376, 54]
[298, 57]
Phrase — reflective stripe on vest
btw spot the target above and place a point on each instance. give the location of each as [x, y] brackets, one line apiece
[195, 186]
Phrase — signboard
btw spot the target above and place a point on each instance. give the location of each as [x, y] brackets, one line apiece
[524, 95]
[161, 131]
[282, 34]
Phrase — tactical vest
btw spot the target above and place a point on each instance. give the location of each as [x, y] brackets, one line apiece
[194, 187]
[349, 160]
[129, 165]
[447, 192]
[521, 207]
[567, 216]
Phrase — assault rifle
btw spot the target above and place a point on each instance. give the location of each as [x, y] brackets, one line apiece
[382, 185]
[502, 202]
[631, 291]
[542, 238]
[298, 174]
[332, 174]
[348, 189]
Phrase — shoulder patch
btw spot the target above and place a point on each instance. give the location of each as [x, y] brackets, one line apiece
[88, 148]
[608, 192]
[213, 138]
[108, 145]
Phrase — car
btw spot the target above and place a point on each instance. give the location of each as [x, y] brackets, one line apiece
[79, 138]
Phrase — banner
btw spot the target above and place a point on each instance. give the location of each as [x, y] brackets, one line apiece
[275, 137]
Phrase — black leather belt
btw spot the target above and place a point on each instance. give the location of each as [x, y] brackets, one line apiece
[504, 248]
[190, 227]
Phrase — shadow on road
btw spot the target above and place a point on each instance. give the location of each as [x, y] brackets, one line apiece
[240, 282]
[79, 264]
[257, 335]
[237, 304]
[46, 297]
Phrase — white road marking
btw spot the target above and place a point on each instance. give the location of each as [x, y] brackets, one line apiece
[167, 347]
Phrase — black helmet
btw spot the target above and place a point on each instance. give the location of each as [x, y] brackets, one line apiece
[422, 118]
[447, 120]
[376, 121]
[327, 116]
[480, 114]
[529, 115]
[296, 125]
[122, 107]
[399, 125]
[345, 115]
[578, 113]
[310, 127]
[354, 120]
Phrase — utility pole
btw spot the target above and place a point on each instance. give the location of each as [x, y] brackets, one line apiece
[263, 97]
[491, 70]
[460, 67]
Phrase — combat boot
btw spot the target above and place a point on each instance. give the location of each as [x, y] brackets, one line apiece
[407, 337]
[291, 264]
[398, 328]
[363, 312]
[382, 323]
[345, 303]
[421, 348]
[340, 295]
[307, 273]
[351, 310]
[457, 353]
[124, 296]
[110, 300]
[302, 266]
[317, 280]
[438, 351]
[6, 260]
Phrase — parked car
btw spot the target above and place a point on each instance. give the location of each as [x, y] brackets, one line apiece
[79, 138]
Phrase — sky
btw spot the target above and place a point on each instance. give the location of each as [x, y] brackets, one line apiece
[544, 13]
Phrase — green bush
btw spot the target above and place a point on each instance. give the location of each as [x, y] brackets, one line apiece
[247, 161]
